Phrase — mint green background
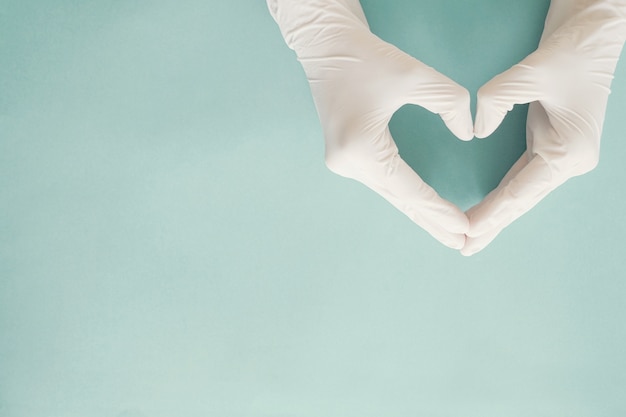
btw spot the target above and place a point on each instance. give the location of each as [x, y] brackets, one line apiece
[171, 243]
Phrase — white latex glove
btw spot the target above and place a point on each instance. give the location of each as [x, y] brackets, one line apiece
[568, 81]
[358, 81]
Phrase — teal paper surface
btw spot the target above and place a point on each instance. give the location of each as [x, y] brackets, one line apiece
[171, 243]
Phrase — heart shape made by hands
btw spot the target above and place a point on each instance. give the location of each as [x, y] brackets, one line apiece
[358, 82]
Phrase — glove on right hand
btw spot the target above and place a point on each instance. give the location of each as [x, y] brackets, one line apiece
[568, 81]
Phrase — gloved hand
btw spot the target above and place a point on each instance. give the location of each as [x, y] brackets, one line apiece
[358, 81]
[568, 81]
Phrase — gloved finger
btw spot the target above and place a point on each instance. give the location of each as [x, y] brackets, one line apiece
[521, 84]
[441, 95]
[508, 202]
[454, 241]
[520, 164]
[473, 245]
[486, 238]
[406, 191]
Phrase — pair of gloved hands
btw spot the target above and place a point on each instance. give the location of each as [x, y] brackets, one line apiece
[359, 81]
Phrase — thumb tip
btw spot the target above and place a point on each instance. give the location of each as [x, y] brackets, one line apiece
[470, 249]
[466, 251]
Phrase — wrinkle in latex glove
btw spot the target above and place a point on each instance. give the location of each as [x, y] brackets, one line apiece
[358, 82]
[568, 82]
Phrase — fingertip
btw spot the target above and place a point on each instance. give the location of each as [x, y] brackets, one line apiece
[475, 244]
[481, 135]
[471, 247]
[451, 239]
[462, 128]
[485, 126]
[467, 249]
[467, 136]
[457, 242]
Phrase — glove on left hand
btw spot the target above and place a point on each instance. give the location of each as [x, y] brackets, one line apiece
[358, 82]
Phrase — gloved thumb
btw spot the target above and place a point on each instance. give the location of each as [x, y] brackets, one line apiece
[519, 85]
